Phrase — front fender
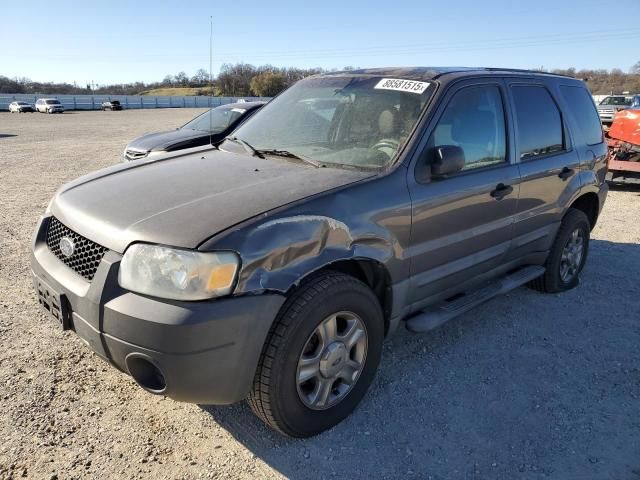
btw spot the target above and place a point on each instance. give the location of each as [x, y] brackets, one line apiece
[368, 220]
[277, 254]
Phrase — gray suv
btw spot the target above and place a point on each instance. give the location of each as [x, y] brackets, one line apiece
[271, 269]
[611, 105]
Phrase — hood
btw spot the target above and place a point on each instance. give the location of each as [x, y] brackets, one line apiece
[611, 108]
[626, 126]
[163, 140]
[183, 201]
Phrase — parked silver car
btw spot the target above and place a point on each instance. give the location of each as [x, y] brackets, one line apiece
[19, 107]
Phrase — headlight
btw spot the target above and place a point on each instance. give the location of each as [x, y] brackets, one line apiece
[177, 274]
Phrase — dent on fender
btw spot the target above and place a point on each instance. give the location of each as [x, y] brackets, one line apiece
[279, 252]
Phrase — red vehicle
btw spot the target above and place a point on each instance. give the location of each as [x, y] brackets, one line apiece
[623, 139]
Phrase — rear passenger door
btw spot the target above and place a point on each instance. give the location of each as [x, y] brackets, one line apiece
[462, 224]
[548, 164]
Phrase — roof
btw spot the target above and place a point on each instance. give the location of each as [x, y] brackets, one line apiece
[431, 73]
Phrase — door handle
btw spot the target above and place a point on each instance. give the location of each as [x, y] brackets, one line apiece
[501, 191]
[566, 173]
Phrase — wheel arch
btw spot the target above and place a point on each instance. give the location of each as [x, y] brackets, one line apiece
[281, 253]
[371, 272]
[589, 204]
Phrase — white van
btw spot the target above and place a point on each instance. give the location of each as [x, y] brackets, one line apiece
[49, 105]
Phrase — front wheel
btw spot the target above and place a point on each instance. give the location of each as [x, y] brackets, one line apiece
[568, 254]
[320, 356]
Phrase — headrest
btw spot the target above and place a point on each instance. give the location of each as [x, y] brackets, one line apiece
[386, 122]
[475, 126]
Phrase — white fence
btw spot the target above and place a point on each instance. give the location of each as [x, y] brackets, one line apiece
[93, 102]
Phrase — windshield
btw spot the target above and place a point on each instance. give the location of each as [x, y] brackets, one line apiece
[22, 103]
[215, 120]
[115, 102]
[353, 121]
[53, 102]
[622, 101]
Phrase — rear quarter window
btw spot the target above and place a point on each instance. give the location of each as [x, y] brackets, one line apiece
[583, 114]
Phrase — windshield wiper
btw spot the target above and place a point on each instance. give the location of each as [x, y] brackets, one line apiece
[287, 154]
[248, 148]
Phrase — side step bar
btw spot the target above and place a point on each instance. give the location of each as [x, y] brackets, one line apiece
[434, 316]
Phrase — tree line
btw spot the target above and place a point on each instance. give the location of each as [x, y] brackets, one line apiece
[243, 80]
[237, 80]
[606, 82]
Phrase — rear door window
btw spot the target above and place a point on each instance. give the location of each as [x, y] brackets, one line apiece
[584, 113]
[540, 130]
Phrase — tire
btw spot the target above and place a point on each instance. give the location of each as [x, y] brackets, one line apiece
[552, 280]
[277, 397]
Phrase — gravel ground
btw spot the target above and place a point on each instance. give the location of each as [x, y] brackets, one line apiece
[527, 386]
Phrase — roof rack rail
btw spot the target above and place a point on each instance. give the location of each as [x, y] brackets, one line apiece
[524, 70]
[499, 69]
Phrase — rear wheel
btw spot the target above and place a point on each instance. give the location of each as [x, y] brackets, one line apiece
[320, 356]
[568, 254]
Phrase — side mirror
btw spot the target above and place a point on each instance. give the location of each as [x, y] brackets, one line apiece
[448, 159]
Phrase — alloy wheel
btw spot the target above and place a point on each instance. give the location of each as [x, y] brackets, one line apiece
[331, 361]
[572, 254]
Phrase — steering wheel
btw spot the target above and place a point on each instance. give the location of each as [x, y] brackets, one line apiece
[385, 144]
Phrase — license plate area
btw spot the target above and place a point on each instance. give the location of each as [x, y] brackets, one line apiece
[54, 303]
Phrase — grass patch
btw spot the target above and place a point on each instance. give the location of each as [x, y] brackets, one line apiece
[177, 91]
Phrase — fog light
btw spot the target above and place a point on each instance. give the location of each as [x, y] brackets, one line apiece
[145, 373]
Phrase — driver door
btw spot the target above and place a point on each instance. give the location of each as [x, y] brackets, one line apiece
[462, 224]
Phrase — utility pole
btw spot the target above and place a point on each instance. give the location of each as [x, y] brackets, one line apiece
[211, 56]
[210, 76]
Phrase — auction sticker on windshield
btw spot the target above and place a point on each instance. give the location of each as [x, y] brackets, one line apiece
[400, 85]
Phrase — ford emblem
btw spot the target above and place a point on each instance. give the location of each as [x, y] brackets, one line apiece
[67, 247]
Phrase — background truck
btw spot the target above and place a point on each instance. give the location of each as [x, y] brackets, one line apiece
[623, 139]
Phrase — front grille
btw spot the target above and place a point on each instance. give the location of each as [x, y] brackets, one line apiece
[86, 254]
[135, 154]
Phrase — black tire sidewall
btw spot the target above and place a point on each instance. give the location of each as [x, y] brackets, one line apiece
[285, 399]
[574, 219]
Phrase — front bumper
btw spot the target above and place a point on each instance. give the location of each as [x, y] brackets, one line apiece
[207, 352]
